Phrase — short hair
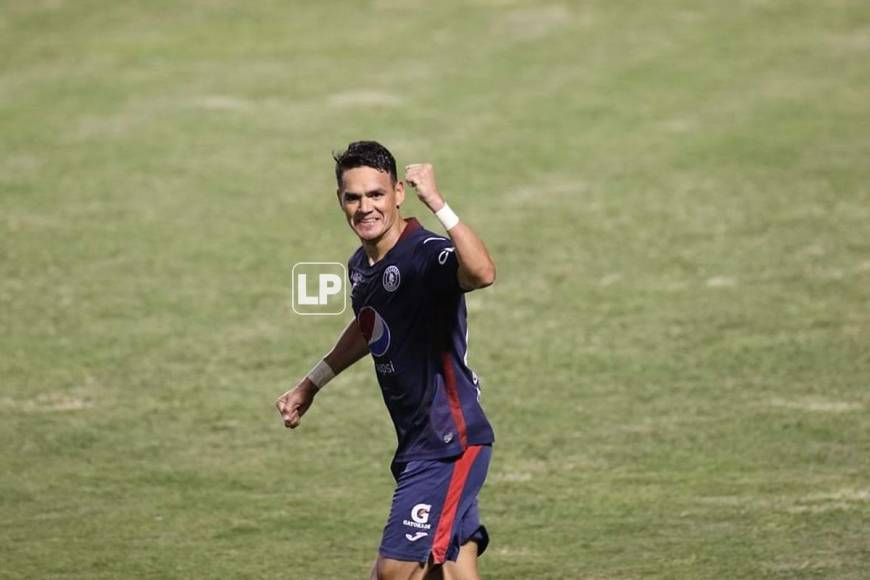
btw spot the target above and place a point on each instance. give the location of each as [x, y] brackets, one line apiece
[365, 154]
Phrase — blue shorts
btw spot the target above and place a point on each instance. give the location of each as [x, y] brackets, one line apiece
[435, 507]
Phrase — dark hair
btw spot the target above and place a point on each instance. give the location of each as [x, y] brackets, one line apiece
[365, 154]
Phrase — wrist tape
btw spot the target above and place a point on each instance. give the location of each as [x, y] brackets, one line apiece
[447, 217]
[321, 374]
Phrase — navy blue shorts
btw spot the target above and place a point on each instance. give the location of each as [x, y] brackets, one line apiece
[435, 507]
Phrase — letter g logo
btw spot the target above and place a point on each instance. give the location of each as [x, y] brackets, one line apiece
[420, 513]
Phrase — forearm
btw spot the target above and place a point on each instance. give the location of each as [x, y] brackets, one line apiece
[476, 268]
[350, 347]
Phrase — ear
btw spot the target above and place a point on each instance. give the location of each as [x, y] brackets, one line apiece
[338, 195]
[400, 193]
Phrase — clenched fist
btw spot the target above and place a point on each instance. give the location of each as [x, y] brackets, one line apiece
[421, 176]
[295, 402]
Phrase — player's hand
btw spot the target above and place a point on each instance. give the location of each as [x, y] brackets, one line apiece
[295, 402]
[421, 176]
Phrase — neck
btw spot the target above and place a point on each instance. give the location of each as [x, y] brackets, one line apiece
[378, 248]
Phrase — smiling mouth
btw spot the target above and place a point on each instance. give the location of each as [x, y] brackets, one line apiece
[367, 221]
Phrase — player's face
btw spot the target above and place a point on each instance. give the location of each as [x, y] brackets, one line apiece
[370, 201]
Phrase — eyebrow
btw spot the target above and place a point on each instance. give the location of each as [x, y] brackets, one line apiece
[370, 192]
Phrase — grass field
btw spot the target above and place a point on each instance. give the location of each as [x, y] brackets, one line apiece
[676, 354]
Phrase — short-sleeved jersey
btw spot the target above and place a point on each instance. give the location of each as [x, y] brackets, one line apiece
[411, 309]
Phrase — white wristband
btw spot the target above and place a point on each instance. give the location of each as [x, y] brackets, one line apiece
[321, 374]
[447, 218]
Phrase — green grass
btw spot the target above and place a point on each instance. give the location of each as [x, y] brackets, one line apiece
[675, 355]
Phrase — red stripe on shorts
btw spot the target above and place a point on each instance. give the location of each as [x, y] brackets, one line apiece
[451, 503]
[453, 397]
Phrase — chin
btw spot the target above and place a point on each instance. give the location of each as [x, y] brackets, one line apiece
[369, 235]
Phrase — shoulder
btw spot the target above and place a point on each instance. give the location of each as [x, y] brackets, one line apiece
[356, 258]
[431, 249]
[428, 243]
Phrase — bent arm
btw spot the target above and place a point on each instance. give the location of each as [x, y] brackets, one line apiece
[476, 268]
[350, 347]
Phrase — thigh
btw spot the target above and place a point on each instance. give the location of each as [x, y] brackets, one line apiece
[390, 569]
[471, 529]
[464, 568]
[430, 503]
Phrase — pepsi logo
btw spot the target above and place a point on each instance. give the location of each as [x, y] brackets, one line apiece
[375, 330]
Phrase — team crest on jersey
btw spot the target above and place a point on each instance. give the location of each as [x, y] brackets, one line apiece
[375, 330]
[392, 278]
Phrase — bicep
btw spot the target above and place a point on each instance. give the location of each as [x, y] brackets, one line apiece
[350, 347]
[357, 341]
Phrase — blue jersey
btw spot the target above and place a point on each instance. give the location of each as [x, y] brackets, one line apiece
[411, 309]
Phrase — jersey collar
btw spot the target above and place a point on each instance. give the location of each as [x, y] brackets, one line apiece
[411, 226]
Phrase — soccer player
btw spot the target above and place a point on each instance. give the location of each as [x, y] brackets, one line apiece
[408, 288]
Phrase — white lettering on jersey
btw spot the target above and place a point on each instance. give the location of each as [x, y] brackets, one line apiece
[419, 517]
[386, 368]
[355, 279]
[420, 513]
[445, 253]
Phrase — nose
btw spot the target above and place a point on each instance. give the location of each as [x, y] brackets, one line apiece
[365, 205]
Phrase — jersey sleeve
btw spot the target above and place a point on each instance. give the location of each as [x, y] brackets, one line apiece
[351, 263]
[438, 265]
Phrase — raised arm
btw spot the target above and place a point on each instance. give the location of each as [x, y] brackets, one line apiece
[476, 268]
[350, 347]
